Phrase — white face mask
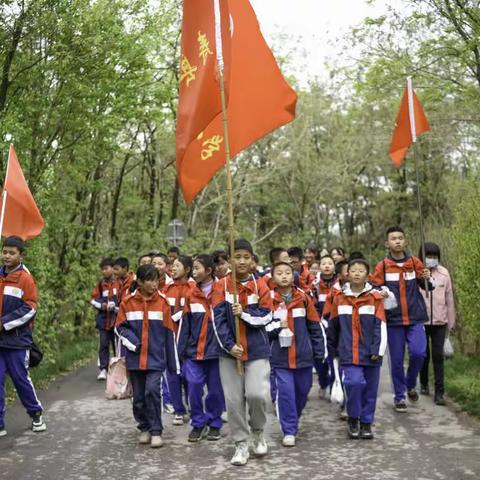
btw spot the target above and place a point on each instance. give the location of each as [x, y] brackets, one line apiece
[431, 262]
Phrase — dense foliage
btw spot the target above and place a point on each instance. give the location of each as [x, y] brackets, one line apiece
[88, 91]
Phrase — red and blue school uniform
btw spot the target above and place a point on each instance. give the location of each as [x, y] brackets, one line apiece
[405, 323]
[146, 329]
[18, 304]
[124, 286]
[199, 349]
[293, 364]
[176, 293]
[256, 301]
[321, 289]
[356, 331]
[105, 293]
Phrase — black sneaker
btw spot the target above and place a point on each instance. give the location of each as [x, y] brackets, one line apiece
[439, 400]
[412, 395]
[366, 431]
[213, 434]
[38, 425]
[196, 434]
[424, 390]
[400, 406]
[353, 428]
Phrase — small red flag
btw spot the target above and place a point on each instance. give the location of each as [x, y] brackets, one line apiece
[259, 99]
[19, 215]
[411, 122]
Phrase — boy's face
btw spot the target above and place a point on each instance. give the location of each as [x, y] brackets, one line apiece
[344, 273]
[146, 260]
[160, 264]
[314, 269]
[357, 274]
[172, 256]
[107, 272]
[11, 256]
[396, 242]
[119, 271]
[221, 268]
[148, 287]
[283, 276]
[327, 266]
[283, 257]
[296, 263]
[309, 257]
[242, 261]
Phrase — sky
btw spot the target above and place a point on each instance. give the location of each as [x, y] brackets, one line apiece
[315, 26]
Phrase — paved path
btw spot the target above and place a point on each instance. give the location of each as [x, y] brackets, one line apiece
[92, 438]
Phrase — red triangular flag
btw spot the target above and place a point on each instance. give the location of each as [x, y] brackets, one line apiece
[411, 122]
[20, 213]
[259, 99]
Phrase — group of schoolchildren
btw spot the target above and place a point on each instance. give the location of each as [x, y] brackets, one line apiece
[192, 335]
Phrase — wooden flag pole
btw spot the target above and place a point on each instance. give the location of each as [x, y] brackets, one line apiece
[231, 226]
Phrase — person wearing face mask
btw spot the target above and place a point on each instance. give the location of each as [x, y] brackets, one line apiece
[441, 316]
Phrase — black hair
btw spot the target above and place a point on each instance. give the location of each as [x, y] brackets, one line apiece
[394, 229]
[174, 250]
[152, 253]
[327, 256]
[274, 254]
[187, 263]
[143, 256]
[430, 249]
[15, 241]
[339, 266]
[147, 272]
[279, 264]
[359, 261]
[161, 255]
[255, 258]
[218, 255]
[106, 262]
[122, 262]
[355, 255]
[339, 250]
[295, 252]
[313, 249]
[241, 244]
[206, 260]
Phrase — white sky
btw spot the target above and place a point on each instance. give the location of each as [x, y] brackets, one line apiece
[315, 26]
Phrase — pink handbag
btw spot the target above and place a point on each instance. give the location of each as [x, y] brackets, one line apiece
[118, 385]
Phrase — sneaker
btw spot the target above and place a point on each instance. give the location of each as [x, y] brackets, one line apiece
[241, 455]
[424, 390]
[353, 428]
[168, 408]
[213, 434]
[324, 394]
[288, 441]
[342, 414]
[412, 395]
[366, 431]
[3, 432]
[102, 375]
[439, 400]
[178, 420]
[156, 441]
[197, 434]
[224, 417]
[38, 425]
[260, 446]
[400, 406]
[144, 438]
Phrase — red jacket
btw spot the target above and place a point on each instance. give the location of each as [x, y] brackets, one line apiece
[105, 292]
[176, 293]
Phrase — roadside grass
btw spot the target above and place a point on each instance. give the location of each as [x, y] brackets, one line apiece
[462, 382]
[69, 358]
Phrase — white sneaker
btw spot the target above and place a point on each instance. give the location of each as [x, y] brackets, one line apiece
[102, 375]
[178, 420]
[288, 441]
[168, 408]
[38, 425]
[241, 454]
[144, 438]
[156, 441]
[3, 432]
[260, 446]
[224, 417]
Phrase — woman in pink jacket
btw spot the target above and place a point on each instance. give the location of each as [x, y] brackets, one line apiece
[441, 316]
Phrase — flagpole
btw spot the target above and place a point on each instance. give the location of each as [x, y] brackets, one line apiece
[413, 130]
[4, 195]
[231, 221]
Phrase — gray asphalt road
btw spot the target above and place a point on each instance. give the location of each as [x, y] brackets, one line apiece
[89, 437]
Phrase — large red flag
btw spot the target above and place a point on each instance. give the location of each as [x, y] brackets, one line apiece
[411, 121]
[19, 215]
[259, 99]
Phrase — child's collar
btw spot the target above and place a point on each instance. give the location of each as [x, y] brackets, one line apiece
[347, 290]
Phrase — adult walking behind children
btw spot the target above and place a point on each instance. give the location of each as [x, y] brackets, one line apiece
[18, 310]
[146, 330]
